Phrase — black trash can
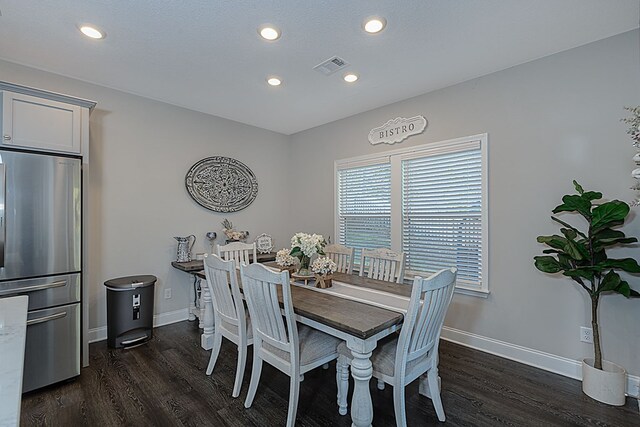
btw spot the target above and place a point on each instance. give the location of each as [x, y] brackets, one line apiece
[130, 310]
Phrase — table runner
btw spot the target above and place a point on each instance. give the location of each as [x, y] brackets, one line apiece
[377, 298]
[364, 295]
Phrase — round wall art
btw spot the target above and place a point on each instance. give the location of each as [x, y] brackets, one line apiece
[221, 184]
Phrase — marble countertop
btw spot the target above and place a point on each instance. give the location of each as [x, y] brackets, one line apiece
[13, 329]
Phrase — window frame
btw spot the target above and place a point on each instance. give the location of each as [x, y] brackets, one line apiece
[395, 158]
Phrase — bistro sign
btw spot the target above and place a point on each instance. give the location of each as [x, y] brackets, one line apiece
[397, 130]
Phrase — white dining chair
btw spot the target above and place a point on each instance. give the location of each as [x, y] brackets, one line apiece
[382, 264]
[230, 316]
[293, 349]
[399, 360]
[239, 252]
[342, 256]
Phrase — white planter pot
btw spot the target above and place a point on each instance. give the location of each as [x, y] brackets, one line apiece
[606, 385]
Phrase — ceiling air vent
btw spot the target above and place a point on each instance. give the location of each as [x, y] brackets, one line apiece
[331, 65]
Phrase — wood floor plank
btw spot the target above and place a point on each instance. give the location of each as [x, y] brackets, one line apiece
[163, 383]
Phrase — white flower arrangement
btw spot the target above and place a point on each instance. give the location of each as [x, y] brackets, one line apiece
[323, 266]
[236, 235]
[283, 258]
[308, 244]
[231, 233]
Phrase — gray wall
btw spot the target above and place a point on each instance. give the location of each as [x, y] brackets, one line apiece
[140, 151]
[549, 121]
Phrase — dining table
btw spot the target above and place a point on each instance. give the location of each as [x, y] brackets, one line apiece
[358, 310]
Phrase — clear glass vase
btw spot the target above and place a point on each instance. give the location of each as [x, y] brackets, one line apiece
[304, 266]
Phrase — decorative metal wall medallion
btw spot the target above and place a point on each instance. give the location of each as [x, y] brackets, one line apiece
[221, 184]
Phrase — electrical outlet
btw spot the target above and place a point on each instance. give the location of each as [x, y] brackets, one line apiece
[167, 293]
[586, 335]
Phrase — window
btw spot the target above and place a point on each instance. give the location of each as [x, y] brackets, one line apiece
[442, 213]
[364, 206]
[428, 201]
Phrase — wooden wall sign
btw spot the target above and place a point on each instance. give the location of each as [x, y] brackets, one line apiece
[397, 130]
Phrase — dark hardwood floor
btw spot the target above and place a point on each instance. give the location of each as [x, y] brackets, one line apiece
[163, 383]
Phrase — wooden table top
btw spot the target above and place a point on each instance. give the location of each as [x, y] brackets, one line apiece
[355, 318]
[198, 265]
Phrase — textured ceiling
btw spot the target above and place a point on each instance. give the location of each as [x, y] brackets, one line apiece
[207, 56]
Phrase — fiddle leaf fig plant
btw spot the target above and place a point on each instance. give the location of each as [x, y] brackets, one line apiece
[581, 255]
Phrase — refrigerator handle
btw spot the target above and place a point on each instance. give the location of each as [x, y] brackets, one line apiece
[49, 318]
[23, 289]
[3, 225]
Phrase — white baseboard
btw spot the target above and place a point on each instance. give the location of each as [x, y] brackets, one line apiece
[100, 333]
[170, 317]
[97, 334]
[539, 359]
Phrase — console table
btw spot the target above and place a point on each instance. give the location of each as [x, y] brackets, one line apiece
[200, 298]
[198, 265]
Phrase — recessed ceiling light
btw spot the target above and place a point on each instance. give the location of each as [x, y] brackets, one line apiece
[92, 32]
[274, 81]
[350, 78]
[374, 25]
[269, 32]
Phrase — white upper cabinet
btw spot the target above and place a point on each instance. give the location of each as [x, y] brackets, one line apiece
[41, 124]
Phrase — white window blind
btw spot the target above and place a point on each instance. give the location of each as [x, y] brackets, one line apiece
[442, 213]
[364, 207]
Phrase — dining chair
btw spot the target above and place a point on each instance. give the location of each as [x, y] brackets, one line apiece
[399, 360]
[293, 349]
[230, 316]
[342, 256]
[382, 264]
[239, 252]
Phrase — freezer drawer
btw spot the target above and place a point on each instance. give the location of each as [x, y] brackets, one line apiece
[45, 291]
[52, 351]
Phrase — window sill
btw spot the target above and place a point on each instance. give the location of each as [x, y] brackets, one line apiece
[474, 292]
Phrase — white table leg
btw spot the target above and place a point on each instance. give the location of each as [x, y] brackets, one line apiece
[361, 371]
[206, 339]
[342, 380]
[423, 386]
[201, 305]
[192, 301]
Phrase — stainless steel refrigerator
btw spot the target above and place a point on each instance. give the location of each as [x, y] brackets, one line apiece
[40, 256]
